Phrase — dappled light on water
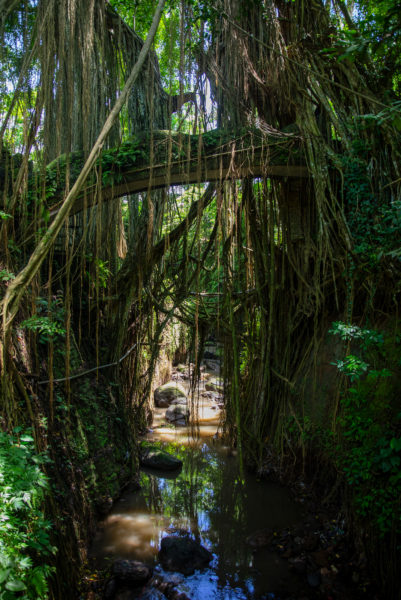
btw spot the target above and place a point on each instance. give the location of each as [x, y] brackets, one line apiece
[208, 501]
[203, 427]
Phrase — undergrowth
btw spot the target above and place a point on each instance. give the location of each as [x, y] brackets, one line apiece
[368, 446]
[25, 546]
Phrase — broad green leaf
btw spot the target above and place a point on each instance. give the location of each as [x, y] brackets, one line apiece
[16, 585]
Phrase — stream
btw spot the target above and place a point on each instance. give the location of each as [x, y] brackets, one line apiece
[210, 501]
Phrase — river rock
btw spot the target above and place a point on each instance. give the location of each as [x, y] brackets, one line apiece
[180, 402]
[178, 414]
[154, 458]
[165, 394]
[183, 554]
[214, 385]
[213, 365]
[131, 572]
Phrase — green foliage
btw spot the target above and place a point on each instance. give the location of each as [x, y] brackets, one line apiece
[139, 15]
[49, 319]
[369, 448]
[374, 219]
[352, 366]
[6, 275]
[99, 275]
[379, 25]
[124, 156]
[102, 272]
[348, 45]
[25, 545]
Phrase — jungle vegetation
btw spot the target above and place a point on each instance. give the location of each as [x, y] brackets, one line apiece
[232, 166]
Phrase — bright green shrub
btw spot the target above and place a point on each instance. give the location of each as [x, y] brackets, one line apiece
[24, 539]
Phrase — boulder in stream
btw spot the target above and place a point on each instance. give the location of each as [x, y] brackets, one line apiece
[155, 458]
[180, 401]
[215, 385]
[213, 366]
[178, 414]
[183, 554]
[131, 572]
[151, 593]
[165, 394]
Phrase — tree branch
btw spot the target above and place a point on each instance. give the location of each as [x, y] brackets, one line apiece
[19, 285]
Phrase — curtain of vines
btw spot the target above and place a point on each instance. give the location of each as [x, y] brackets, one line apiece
[259, 260]
[265, 72]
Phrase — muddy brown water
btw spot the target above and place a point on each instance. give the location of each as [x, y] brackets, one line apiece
[209, 500]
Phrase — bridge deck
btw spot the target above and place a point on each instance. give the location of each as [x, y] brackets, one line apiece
[186, 159]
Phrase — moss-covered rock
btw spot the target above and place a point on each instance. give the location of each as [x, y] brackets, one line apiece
[178, 414]
[155, 458]
[165, 394]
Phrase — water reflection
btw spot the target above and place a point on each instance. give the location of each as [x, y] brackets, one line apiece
[209, 501]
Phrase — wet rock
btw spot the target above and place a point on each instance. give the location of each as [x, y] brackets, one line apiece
[174, 578]
[180, 530]
[168, 589]
[176, 377]
[151, 593]
[176, 595]
[154, 458]
[214, 385]
[165, 394]
[177, 414]
[131, 572]
[162, 403]
[213, 365]
[183, 554]
[180, 401]
[162, 474]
